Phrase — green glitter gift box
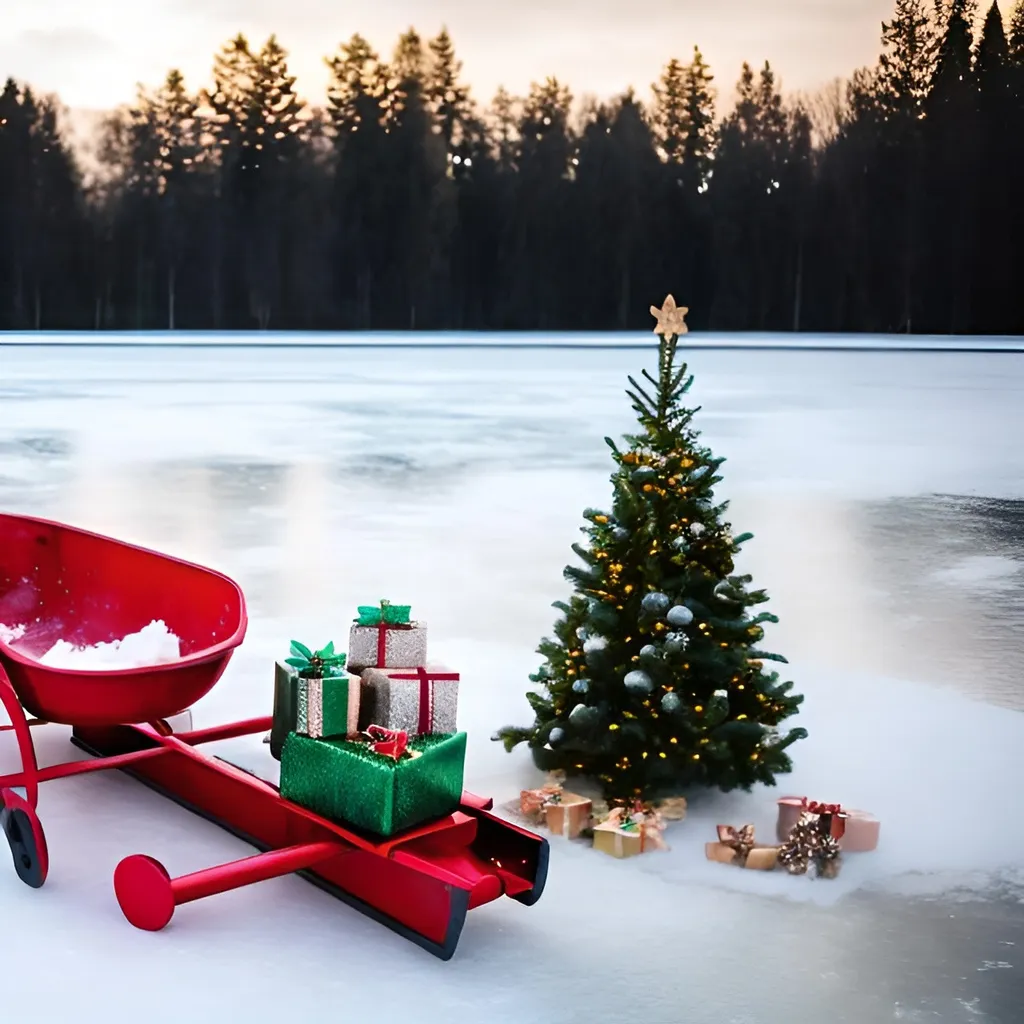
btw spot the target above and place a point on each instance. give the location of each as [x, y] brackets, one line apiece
[344, 780]
[313, 707]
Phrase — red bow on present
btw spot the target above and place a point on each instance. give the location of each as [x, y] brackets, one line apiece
[389, 742]
[813, 807]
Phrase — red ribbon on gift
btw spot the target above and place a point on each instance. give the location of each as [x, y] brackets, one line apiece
[382, 638]
[426, 680]
[388, 742]
[833, 813]
[814, 807]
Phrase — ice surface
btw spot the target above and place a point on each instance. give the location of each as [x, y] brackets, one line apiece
[463, 501]
[154, 644]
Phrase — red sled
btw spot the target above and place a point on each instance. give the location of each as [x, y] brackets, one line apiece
[65, 583]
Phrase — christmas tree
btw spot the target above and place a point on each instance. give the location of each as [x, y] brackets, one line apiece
[653, 682]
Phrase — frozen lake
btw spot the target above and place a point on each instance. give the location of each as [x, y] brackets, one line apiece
[885, 492]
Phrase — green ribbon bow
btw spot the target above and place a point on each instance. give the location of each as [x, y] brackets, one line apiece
[323, 664]
[385, 613]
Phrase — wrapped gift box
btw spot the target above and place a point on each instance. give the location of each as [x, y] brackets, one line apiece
[419, 700]
[533, 801]
[384, 637]
[621, 836]
[313, 707]
[737, 847]
[567, 814]
[345, 780]
[856, 831]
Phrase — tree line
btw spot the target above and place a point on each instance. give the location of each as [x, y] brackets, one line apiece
[890, 202]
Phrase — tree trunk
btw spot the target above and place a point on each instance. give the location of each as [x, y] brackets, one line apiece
[798, 289]
[38, 312]
[170, 298]
[625, 294]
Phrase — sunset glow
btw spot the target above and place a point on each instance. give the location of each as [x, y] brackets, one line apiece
[93, 54]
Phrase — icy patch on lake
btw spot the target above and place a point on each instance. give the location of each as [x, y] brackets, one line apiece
[154, 644]
[977, 571]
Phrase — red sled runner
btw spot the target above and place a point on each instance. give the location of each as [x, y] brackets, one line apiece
[78, 586]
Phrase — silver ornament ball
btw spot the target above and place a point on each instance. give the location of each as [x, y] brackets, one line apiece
[679, 615]
[638, 681]
[556, 735]
[655, 603]
[671, 703]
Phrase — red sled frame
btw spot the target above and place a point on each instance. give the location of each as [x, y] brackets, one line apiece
[420, 883]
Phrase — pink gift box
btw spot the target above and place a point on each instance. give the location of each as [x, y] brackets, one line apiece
[856, 831]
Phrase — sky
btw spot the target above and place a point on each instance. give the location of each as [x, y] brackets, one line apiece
[93, 53]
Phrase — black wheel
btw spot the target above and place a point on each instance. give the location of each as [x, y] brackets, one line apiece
[28, 847]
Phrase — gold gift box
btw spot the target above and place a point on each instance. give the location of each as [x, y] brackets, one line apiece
[610, 837]
[569, 815]
[760, 858]
[732, 841]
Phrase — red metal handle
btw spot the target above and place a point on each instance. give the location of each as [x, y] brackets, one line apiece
[28, 777]
[148, 895]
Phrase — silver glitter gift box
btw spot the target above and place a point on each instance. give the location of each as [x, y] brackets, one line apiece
[405, 646]
[416, 700]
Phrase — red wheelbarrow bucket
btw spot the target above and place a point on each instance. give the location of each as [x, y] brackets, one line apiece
[62, 583]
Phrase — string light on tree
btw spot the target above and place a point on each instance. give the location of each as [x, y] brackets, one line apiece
[657, 579]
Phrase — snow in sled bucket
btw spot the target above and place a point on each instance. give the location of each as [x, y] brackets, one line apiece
[61, 583]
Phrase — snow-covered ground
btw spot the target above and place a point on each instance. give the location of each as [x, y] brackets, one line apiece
[884, 492]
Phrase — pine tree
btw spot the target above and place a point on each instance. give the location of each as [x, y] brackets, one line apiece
[907, 62]
[360, 218]
[546, 143]
[155, 151]
[951, 129]
[669, 115]
[993, 258]
[447, 97]
[41, 214]
[503, 121]
[699, 126]
[1016, 36]
[653, 682]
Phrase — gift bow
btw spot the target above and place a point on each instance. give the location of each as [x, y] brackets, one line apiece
[384, 614]
[533, 801]
[814, 807]
[389, 742]
[740, 840]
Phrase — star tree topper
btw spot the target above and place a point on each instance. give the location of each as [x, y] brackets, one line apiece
[671, 318]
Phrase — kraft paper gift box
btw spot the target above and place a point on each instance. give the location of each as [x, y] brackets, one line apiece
[533, 801]
[384, 637]
[348, 781]
[621, 836]
[567, 814]
[419, 700]
[737, 846]
[856, 831]
[313, 707]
